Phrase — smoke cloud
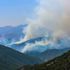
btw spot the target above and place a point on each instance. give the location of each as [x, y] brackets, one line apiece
[41, 45]
[49, 16]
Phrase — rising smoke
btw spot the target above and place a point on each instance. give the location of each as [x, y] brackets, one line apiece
[49, 15]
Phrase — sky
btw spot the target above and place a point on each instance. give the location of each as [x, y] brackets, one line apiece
[14, 12]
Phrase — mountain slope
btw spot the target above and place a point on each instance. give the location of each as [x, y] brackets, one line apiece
[12, 60]
[59, 63]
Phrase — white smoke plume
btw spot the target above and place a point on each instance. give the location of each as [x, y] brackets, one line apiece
[49, 15]
[41, 45]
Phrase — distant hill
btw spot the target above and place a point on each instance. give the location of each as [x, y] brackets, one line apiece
[11, 59]
[59, 63]
[9, 34]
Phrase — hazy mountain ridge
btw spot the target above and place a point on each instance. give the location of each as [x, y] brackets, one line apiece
[10, 34]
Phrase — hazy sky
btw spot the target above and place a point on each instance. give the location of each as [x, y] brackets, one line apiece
[14, 12]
